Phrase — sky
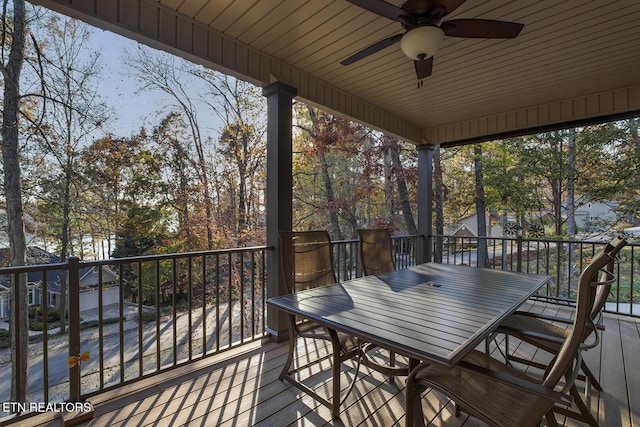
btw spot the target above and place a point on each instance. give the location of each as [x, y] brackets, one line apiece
[118, 89]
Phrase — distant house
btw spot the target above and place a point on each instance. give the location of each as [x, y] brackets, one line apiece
[468, 227]
[89, 279]
[4, 302]
[35, 255]
[595, 216]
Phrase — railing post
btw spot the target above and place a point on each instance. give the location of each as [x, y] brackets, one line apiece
[20, 337]
[519, 243]
[74, 326]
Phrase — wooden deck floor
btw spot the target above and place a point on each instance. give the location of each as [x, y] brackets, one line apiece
[241, 388]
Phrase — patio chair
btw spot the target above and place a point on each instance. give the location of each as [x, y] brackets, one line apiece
[545, 332]
[499, 394]
[307, 262]
[376, 254]
[376, 251]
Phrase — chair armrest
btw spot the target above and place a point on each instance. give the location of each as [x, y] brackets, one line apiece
[544, 317]
[557, 300]
[531, 334]
[520, 383]
[523, 334]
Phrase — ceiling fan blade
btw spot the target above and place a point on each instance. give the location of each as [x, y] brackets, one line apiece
[447, 6]
[423, 67]
[376, 47]
[380, 7]
[481, 28]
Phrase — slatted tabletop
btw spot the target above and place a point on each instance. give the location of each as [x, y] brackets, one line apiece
[431, 312]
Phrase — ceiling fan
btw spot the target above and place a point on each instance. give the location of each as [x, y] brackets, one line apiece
[425, 30]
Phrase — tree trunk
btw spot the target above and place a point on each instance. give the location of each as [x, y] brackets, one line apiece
[326, 179]
[556, 183]
[403, 192]
[64, 246]
[331, 200]
[243, 211]
[571, 176]
[388, 185]
[481, 209]
[571, 204]
[19, 322]
[438, 195]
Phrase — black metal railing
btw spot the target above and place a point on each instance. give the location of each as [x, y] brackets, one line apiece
[142, 315]
[562, 259]
[154, 313]
[149, 314]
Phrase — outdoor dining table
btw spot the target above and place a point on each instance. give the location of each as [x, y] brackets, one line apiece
[433, 313]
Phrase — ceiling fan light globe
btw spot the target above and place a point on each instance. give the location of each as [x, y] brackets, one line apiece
[422, 42]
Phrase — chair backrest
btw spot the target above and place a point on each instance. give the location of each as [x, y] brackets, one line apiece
[307, 259]
[602, 293]
[563, 362]
[375, 251]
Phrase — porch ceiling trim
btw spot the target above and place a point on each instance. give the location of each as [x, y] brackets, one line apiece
[594, 108]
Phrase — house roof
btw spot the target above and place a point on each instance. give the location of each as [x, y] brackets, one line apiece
[37, 256]
[89, 276]
[464, 231]
[574, 62]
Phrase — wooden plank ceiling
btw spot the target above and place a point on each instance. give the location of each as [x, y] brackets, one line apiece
[575, 60]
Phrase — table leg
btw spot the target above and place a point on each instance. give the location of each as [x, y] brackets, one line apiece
[337, 362]
[413, 407]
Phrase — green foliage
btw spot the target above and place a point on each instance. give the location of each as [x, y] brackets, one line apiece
[34, 325]
[527, 178]
[36, 312]
[90, 324]
[149, 316]
[142, 232]
[5, 339]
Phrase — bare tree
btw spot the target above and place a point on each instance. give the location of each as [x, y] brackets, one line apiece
[167, 74]
[73, 118]
[11, 65]
[241, 107]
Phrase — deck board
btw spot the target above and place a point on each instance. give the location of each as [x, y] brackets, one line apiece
[630, 351]
[613, 378]
[241, 387]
